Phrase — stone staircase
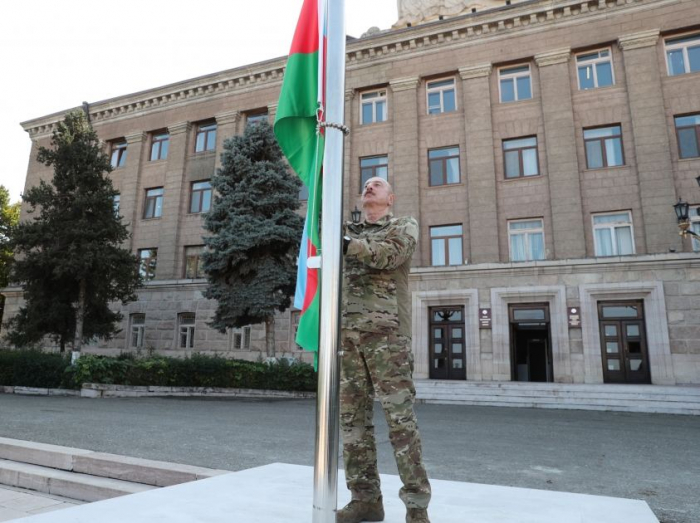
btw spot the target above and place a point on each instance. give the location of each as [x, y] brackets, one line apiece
[85, 475]
[623, 398]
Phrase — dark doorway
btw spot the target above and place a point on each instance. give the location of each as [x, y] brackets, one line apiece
[531, 353]
[447, 347]
[623, 342]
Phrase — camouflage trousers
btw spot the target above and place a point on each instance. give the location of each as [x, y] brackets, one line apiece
[380, 364]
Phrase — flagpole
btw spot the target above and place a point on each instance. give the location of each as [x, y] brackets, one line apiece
[327, 404]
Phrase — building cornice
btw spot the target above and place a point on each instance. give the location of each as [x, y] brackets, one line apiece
[639, 40]
[558, 56]
[460, 31]
[404, 84]
[475, 71]
[231, 117]
[179, 127]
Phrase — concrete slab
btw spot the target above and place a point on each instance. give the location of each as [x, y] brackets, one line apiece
[280, 493]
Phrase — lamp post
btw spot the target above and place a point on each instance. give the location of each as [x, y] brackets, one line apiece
[682, 208]
[357, 214]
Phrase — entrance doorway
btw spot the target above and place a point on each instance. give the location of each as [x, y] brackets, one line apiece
[447, 348]
[531, 352]
[623, 342]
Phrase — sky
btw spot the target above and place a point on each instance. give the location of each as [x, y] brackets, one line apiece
[55, 54]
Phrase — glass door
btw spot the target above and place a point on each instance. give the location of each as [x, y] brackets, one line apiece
[623, 342]
[447, 347]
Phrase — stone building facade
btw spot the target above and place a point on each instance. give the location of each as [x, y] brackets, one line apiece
[541, 145]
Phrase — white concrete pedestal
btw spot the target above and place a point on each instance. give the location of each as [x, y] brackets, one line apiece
[281, 493]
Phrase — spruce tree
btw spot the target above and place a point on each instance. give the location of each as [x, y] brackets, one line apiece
[70, 259]
[254, 233]
[9, 216]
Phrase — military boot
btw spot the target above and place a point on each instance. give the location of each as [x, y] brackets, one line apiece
[417, 515]
[357, 511]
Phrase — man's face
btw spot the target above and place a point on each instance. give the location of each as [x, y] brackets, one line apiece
[377, 193]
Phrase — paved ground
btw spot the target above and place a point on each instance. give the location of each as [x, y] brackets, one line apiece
[643, 456]
[18, 503]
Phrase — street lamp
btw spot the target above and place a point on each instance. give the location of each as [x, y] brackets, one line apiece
[682, 209]
[357, 214]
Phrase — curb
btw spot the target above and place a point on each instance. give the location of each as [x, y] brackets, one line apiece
[101, 390]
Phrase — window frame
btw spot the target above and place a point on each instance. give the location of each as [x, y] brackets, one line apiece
[696, 127]
[444, 166]
[613, 227]
[594, 63]
[154, 199]
[159, 138]
[240, 338]
[200, 195]
[373, 168]
[137, 328]
[520, 158]
[514, 77]
[255, 118]
[527, 233]
[208, 130]
[446, 245]
[602, 140]
[116, 203]
[145, 270]
[441, 90]
[119, 148]
[695, 221]
[382, 97]
[684, 47]
[198, 260]
[186, 328]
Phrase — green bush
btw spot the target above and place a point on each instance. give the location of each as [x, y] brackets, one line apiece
[36, 369]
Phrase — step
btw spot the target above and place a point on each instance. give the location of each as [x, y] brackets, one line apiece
[137, 470]
[82, 487]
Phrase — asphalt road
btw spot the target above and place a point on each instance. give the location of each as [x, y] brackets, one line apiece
[643, 456]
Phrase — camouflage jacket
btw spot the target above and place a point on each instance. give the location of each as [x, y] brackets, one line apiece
[375, 282]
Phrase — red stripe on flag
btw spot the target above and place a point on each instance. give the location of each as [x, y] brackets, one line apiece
[311, 280]
[306, 35]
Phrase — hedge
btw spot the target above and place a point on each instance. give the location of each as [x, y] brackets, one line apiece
[37, 369]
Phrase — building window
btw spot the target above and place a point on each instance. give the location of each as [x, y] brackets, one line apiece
[375, 166]
[526, 238]
[373, 107]
[153, 206]
[595, 70]
[147, 263]
[683, 54]
[200, 200]
[137, 329]
[159, 146]
[441, 96]
[688, 135]
[604, 147]
[118, 154]
[254, 119]
[186, 327]
[443, 165]
[515, 83]
[446, 245]
[206, 138]
[613, 234]
[116, 201]
[194, 262]
[241, 338]
[520, 157]
[294, 319]
[695, 226]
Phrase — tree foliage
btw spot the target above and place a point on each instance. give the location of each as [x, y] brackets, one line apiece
[252, 250]
[9, 217]
[73, 241]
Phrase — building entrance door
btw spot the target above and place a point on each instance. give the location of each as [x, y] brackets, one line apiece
[447, 349]
[623, 342]
[531, 352]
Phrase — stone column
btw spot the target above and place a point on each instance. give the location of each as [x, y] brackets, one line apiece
[226, 127]
[481, 168]
[561, 154]
[174, 191]
[405, 157]
[651, 143]
[136, 151]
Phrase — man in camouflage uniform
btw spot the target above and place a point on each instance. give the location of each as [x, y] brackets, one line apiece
[377, 360]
